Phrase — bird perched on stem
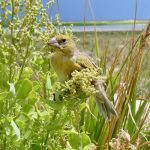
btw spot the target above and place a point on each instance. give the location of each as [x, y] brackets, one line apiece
[66, 58]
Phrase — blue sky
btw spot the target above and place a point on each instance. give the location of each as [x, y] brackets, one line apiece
[72, 10]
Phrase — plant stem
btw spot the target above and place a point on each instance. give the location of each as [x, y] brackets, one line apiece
[24, 61]
[12, 41]
[95, 34]
[4, 143]
[48, 131]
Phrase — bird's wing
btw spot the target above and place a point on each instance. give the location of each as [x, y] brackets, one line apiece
[85, 61]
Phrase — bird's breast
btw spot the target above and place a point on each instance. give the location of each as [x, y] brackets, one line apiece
[64, 65]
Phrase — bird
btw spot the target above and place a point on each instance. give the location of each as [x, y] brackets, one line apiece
[66, 58]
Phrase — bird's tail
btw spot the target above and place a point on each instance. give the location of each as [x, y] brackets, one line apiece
[105, 107]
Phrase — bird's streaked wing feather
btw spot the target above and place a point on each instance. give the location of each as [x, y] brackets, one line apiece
[85, 61]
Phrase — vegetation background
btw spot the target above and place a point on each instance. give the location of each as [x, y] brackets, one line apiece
[29, 116]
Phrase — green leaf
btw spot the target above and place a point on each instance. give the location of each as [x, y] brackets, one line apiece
[35, 86]
[82, 106]
[24, 89]
[3, 95]
[85, 139]
[74, 140]
[22, 120]
[3, 76]
[56, 105]
[85, 105]
[32, 97]
[140, 112]
[28, 108]
[16, 129]
[48, 82]
[36, 146]
[27, 72]
[12, 89]
[79, 140]
[132, 118]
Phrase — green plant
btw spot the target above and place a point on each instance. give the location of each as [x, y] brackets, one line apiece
[123, 89]
[27, 119]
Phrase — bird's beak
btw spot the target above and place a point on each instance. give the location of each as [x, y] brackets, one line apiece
[53, 42]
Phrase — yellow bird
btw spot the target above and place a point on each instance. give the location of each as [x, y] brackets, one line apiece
[67, 58]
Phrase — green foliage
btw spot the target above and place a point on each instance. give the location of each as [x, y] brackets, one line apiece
[27, 119]
[79, 86]
[33, 117]
[79, 141]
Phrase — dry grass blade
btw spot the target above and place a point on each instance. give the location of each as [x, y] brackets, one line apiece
[129, 80]
[95, 32]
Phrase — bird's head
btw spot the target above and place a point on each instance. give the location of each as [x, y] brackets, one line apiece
[63, 43]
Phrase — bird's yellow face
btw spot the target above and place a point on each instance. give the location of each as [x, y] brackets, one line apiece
[63, 43]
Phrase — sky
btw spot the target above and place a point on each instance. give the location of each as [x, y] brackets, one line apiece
[104, 10]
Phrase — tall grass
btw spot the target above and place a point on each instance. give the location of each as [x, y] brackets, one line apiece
[123, 90]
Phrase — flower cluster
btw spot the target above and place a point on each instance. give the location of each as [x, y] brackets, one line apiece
[122, 142]
[80, 85]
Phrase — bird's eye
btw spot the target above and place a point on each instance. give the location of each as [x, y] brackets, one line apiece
[63, 40]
